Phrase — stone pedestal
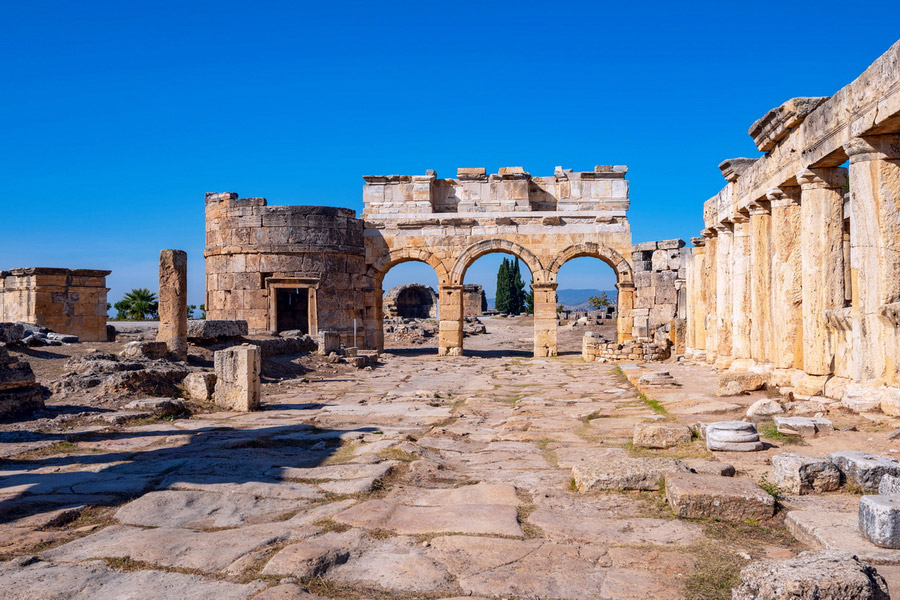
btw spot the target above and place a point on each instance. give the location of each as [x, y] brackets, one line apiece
[544, 319]
[787, 314]
[173, 302]
[724, 320]
[822, 257]
[875, 255]
[237, 378]
[450, 342]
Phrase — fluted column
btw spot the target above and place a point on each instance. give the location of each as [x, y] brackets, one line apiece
[822, 256]
[787, 295]
[450, 328]
[724, 321]
[740, 293]
[760, 282]
[710, 270]
[544, 319]
[875, 256]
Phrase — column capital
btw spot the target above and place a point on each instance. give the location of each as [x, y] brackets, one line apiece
[759, 208]
[822, 178]
[723, 228]
[740, 218]
[625, 285]
[784, 196]
[698, 242]
[873, 147]
[709, 233]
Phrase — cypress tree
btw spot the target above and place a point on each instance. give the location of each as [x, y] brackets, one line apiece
[484, 305]
[516, 290]
[501, 303]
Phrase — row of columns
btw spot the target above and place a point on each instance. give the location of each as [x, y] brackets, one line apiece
[764, 282]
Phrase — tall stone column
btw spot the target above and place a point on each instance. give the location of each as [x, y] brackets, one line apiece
[787, 295]
[694, 310]
[710, 270]
[740, 293]
[760, 283]
[545, 319]
[450, 328]
[724, 320]
[875, 256]
[822, 257]
[624, 307]
[173, 302]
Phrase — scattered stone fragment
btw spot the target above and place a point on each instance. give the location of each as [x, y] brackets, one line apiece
[660, 435]
[161, 407]
[801, 474]
[889, 485]
[623, 473]
[731, 388]
[764, 408]
[200, 387]
[734, 436]
[748, 382]
[208, 330]
[879, 520]
[864, 470]
[804, 426]
[723, 498]
[11, 333]
[657, 378]
[812, 575]
[710, 467]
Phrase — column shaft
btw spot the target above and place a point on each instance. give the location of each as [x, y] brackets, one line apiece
[787, 296]
[740, 293]
[760, 283]
[724, 321]
[450, 328]
[173, 302]
[710, 270]
[545, 319]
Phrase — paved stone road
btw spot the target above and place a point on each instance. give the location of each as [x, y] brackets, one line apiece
[426, 478]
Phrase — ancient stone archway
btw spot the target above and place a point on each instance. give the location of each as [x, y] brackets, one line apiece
[449, 223]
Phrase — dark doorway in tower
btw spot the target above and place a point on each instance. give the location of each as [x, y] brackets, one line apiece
[292, 309]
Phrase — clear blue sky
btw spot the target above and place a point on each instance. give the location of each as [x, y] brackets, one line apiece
[116, 117]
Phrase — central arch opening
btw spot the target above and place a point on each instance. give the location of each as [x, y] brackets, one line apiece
[410, 308]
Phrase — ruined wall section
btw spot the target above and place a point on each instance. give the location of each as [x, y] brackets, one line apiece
[253, 249]
[69, 301]
[660, 296]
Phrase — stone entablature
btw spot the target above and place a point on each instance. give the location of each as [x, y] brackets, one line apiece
[545, 222]
[794, 275]
[69, 301]
[512, 190]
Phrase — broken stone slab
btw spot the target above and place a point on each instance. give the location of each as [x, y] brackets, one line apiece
[733, 436]
[723, 498]
[879, 520]
[623, 473]
[837, 530]
[864, 470]
[120, 417]
[200, 387]
[814, 574]
[11, 333]
[660, 435]
[161, 407]
[64, 338]
[710, 467]
[747, 381]
[804, 426]
[657, 378]
[237, 378]
[731, 388]
[801, 474]
[766, 407]
[207, 330]
[314, 556]
[145, 350]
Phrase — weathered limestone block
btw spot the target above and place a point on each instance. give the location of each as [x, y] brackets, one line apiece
[10, 333]
[733, 436]
[879, 520]
[749, 382]
[200, 387]
[814, 574]
[764, 408]
[173, 302]
[657, 378]
[615, 471]
[148, 350]
[804, 426]
[889, 485]
[213, 329]
[731, 388]
[801, 474]
[660, 434]
[864, 470]
[710, 467]
[161, 407]
[328, 342]
[712, 497]
[237, 378]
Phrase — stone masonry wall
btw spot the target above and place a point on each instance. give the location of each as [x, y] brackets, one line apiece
[595, 348]
[659, 272]
[252, 249]
[471, 300]
[69, 301]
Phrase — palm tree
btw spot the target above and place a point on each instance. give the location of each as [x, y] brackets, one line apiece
[138, 304]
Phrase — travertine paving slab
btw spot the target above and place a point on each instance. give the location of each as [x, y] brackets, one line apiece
[482, 519]
[397, 565]
[837, 531]
[202, 510]
[563, 526]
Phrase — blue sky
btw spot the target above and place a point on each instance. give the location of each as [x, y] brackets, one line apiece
[117, 117]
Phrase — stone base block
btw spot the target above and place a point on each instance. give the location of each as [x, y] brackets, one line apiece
[207, 330]
[864, 470]
[237, 378]
[747, 381]
[811, 385]
[148, 350]
[800, 474]
[879, 520]
[712, 497]
[804, 426]
[615, 471]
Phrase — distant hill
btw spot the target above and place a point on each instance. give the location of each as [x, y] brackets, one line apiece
[575, 299]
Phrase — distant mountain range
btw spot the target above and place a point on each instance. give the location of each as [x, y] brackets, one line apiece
[575, 299]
